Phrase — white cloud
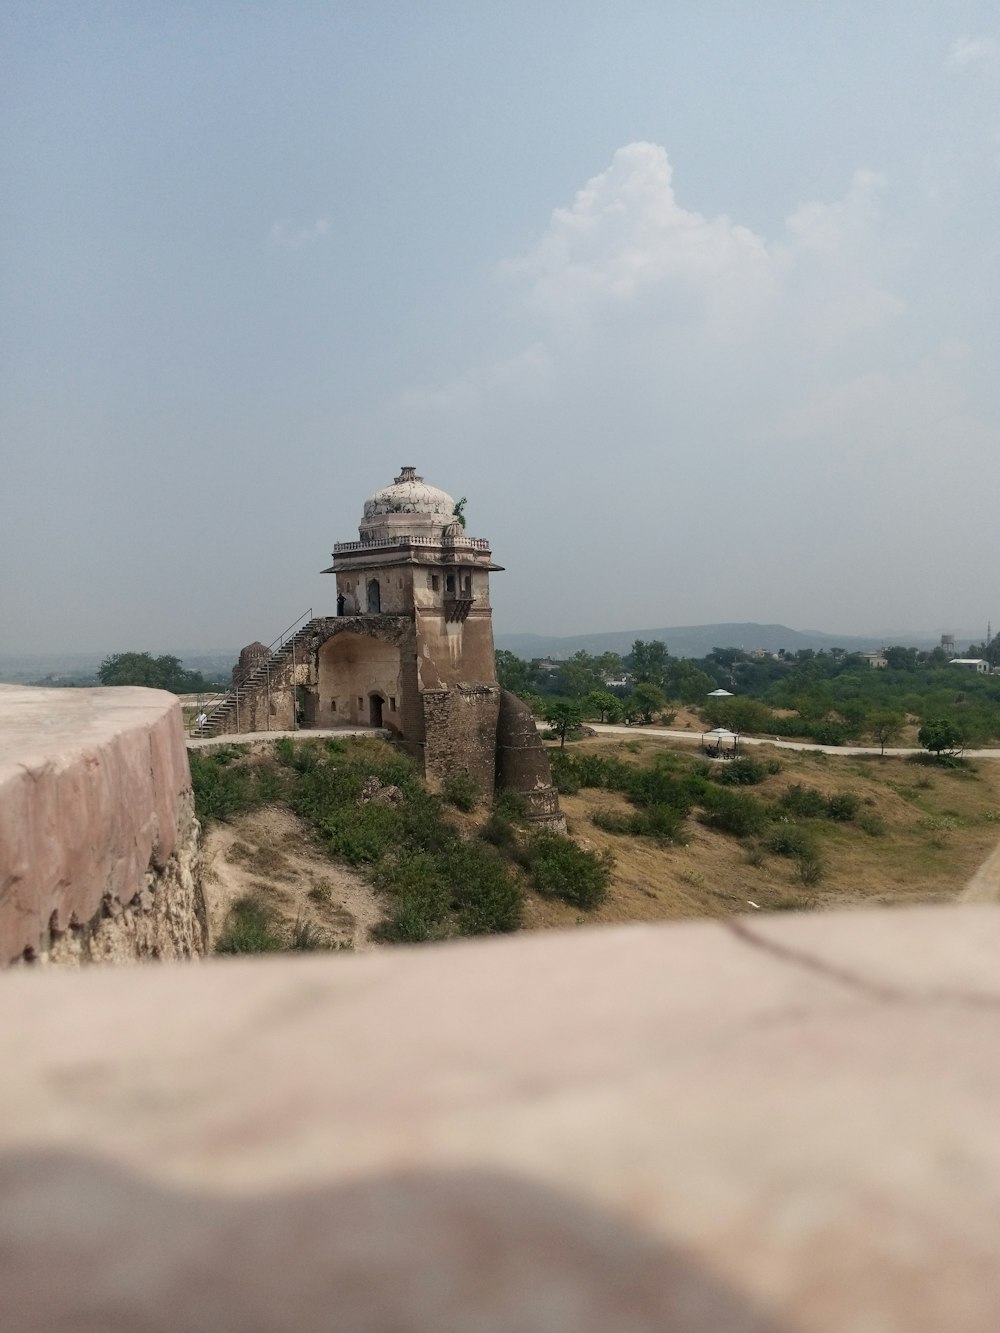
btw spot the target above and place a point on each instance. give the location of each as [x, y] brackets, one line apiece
[626, 248]
[968, 52]
[626, 238]
[286, 233]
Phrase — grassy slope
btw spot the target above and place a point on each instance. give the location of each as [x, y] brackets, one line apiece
[940, 824]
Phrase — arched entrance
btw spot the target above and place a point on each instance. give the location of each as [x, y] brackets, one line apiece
[357, 676]
[374, 597]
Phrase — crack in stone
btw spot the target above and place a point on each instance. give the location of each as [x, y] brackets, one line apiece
[883, 992]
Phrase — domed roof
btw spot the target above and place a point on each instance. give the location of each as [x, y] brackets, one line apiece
[410, 494]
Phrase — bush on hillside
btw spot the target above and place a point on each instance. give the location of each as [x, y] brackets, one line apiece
[561, 869]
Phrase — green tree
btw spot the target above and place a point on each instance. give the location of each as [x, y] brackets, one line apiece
[563, 715]
[885, 727]
[514, 673]
[686, 682]
[649, 662]
[901, 659]
[648, 699]
[940, 736]
[740, 714]
[606, 705]
[580, 674]
[158, 673]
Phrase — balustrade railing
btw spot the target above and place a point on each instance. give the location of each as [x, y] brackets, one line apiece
[468, 543]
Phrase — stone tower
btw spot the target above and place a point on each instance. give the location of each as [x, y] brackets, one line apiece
[410, 651]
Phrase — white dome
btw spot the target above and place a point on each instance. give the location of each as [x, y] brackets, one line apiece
[409, 494]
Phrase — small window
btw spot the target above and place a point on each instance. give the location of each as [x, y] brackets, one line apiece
[361, 702]
[449, 583]
[333, 705]
[435, 582]
[392, 703]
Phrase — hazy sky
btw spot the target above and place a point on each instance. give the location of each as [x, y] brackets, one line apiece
[697, 303]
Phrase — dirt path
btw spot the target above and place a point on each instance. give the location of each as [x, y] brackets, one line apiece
[271, 852]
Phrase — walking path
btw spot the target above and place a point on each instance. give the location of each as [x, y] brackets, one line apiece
[695, 738]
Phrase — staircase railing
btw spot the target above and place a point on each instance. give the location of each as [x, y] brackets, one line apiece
[212, 705]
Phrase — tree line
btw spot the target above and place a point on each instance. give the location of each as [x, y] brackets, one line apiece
[831, 697]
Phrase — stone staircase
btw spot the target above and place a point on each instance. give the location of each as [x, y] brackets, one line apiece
[222, 712]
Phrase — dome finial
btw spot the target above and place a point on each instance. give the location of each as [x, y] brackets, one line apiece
[407, 474]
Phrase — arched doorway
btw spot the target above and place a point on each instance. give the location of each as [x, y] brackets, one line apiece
[353, 667]
[374, 597]
[375, 702]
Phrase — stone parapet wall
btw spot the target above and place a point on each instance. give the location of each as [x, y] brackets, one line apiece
[98, 840]
[783, 1124]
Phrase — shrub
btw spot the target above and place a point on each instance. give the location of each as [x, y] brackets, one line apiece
[249, 928]
[486, 897]
[742, 772]
[843, 806]
[563, 870]
[509, 804]
[804, 802]
[810, 868]
[733, 812]
[613, 821]
[421, 899]
[774, 766]
[829, 733]
[321, 892]
[461, 791]
[791, 840]
[360, 833]
[221, 791]
[871, 823]
[665, 823]
[307, 937]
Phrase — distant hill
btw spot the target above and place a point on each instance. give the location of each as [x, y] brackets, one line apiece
[699, 640]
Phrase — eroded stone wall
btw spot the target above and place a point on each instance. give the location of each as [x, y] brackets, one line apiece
[98, 840]
[461, 729]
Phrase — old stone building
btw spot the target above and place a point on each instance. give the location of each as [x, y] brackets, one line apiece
[410, 650]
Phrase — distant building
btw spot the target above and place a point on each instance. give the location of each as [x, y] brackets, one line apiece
[977, 664]
[877, 660]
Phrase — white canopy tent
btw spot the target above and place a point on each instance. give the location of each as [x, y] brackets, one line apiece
[719, 741]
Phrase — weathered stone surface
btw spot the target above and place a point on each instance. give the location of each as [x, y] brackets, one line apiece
[95, 809]
[523, 765]
[783, 1124]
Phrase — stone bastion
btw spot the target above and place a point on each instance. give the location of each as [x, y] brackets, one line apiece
[783, 1124]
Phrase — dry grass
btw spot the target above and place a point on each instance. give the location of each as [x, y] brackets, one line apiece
[270, 853]
[940, 824]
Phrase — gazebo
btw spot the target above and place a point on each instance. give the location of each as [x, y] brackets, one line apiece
[720, 694]
[720, 743]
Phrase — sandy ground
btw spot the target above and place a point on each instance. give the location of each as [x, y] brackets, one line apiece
[271, 852]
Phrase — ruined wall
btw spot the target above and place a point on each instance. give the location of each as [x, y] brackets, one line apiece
[98, 840]
[460, 729]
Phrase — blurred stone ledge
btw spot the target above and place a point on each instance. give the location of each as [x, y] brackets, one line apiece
[783, 1123]
[98, 839]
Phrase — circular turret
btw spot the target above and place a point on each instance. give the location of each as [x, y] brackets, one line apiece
[409, 507]
[250, 657]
